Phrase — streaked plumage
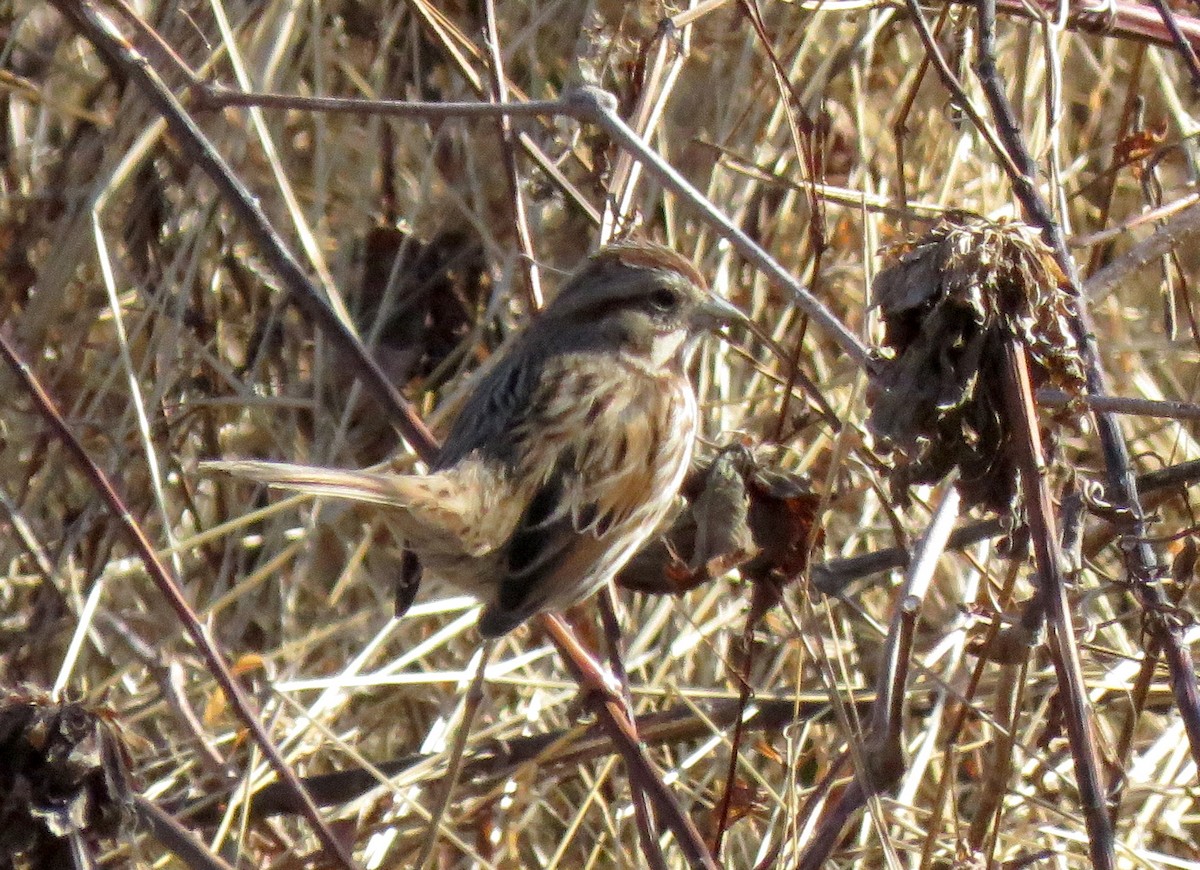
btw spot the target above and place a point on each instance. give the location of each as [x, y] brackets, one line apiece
[566, 456]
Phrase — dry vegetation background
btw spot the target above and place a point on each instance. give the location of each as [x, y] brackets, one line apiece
[147, 313]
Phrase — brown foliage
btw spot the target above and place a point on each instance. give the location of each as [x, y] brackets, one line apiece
[950, 299]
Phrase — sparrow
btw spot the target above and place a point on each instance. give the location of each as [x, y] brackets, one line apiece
[566, 457]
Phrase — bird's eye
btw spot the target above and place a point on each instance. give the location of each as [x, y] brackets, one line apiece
[664, 300]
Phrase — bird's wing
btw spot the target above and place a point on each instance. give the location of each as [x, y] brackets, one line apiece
[605, 459]
[547, 555]
[495, 407]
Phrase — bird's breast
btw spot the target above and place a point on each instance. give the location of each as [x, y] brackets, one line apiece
[624, 431]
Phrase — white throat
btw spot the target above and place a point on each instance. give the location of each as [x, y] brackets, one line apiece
[664, 347]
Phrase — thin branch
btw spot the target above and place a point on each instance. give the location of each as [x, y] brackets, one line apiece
[608, 706]
[183, 844]
[195, 145]
[832, 577]
[599, 107]
[882, 762]
[497, 759]
[1182, 228]
[168, 586]
[1117, 19]
[1180, 42]
[957, 92]
[1022, 417]
[1140, 562]
[499, 89]
[1126, 405]
[606, 600]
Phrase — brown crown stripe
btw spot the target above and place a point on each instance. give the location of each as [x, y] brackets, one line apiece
[652, 256]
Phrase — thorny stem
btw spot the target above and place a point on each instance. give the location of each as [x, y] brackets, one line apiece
[1020, 165]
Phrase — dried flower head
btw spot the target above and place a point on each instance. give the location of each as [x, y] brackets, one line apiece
[950, 300]
[63, 774]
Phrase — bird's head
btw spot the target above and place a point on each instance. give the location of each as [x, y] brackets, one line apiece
[636, 298]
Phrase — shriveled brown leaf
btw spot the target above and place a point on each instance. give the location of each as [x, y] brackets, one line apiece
[950, 302]
[739, 513]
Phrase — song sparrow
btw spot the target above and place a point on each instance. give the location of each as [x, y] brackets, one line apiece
[566, 456]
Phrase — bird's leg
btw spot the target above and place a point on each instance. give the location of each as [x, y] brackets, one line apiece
[408, 583]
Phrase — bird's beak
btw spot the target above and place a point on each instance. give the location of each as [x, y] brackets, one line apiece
[714, 312]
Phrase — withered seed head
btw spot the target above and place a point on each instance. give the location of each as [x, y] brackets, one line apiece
[63, 773]
[950, 300]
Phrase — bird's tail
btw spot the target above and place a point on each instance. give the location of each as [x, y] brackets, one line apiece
[441, 513]
[387, 490]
